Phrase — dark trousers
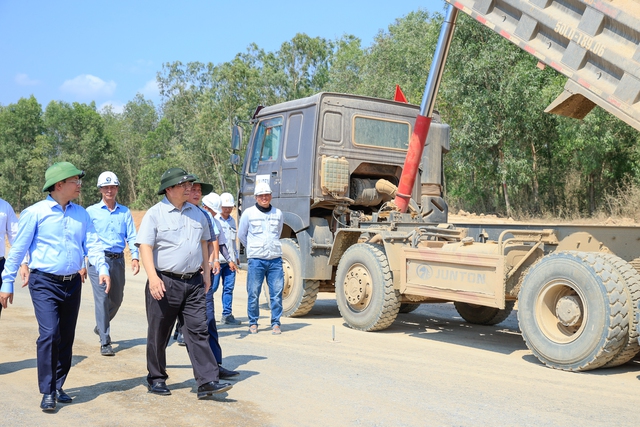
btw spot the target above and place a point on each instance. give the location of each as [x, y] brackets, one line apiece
[212, 328]
[1, 269]
[183, 300]
[214, 343]
[56, 305]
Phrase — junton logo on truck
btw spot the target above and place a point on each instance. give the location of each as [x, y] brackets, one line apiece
[425, 272]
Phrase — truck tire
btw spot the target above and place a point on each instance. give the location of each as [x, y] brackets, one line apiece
[631, 279]
[298, 294]
[364, 288]
[407, 307]
[573, 311]
[482, 315]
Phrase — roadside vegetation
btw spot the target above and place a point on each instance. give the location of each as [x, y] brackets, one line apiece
[507, 156]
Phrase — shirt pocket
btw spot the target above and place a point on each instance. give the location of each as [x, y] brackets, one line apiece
[197, 231]
[273, 226]
[169, 234]
[256, 226]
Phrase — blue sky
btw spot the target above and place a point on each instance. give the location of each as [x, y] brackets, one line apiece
[107, 51]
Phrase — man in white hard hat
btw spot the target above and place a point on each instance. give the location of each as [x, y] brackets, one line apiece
[228, 267]
[114, 224]
[259, 231]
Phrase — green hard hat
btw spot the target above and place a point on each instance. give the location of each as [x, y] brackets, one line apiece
[206, 188]
[174, 176]
[59, 172]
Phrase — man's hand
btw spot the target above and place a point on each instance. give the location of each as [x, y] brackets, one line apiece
[6, 298]
[107, 282]
[215, 267]
[233, 266]
[156, 288]
[83, 274]
[24, 274]
[135, 266]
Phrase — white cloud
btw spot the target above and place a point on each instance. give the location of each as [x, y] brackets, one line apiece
[116, 107]
[88, 86]
[150, 90]
[24, 80]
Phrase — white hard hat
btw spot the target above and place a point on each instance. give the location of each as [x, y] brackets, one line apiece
[212, 201]
[107, 178]
[226, 200]
[262, 188]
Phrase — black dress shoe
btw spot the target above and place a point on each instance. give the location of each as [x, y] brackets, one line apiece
[212, 387]
[159, 388]
[63, 397]
[226, 373]
[48, 403]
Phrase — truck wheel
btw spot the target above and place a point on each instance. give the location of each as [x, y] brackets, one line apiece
[407, 307]
[364, 288]
[573, 311]
[298, 295]
[631, 281]
[482, 315]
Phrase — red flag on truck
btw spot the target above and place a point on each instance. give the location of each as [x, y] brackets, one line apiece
[399, 96]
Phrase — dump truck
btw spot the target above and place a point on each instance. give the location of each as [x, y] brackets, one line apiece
[360, 184]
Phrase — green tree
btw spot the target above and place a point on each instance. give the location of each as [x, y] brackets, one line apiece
[20, 126]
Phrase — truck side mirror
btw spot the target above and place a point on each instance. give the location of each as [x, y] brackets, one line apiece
[236, 139]
[235, 159]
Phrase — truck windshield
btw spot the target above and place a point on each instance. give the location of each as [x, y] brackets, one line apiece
[266, 142]
[381, 133]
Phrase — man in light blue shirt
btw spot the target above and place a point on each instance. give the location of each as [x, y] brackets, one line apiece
[9, 228]
[114, 223]
[55, 234]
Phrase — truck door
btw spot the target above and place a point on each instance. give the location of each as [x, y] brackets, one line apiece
[264, 157]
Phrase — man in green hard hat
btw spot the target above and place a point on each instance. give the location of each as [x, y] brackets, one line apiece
[54, 234]
[173, 239]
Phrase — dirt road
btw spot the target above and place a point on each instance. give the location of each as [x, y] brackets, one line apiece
[428, 368]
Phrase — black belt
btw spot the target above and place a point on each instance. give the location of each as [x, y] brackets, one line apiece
[179, 276]
[114, 255]
[67, 278]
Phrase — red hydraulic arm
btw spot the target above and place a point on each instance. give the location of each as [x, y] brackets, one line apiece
[423, 121]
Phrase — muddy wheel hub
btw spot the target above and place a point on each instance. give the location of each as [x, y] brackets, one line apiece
[288, 279]
[357, 287]
[569, 310]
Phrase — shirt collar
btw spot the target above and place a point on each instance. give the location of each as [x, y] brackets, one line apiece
[167, 206]
[104, 205]
[51, 202]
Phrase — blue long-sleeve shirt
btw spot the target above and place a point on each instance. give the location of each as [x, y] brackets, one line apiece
[116, 228]
[56, 241]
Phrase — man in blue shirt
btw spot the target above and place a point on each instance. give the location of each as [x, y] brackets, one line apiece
[55, 234]
[114, 223]
[9, 228]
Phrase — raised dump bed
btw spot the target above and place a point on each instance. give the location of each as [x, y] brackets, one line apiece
[592, 42]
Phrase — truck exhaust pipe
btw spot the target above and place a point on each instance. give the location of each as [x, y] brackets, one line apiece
[423, 121]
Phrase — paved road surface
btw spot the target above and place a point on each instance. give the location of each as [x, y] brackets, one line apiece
[428, 369]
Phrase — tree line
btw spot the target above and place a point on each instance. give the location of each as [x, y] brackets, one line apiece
[507, 156]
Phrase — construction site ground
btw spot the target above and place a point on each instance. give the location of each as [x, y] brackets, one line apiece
[430, 368]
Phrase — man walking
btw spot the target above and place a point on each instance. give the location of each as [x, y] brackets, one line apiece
[228, 267]
[54, 233]
[259, 232]
[9, 228]
[172, 240]
[197, 191]
[114, 224]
